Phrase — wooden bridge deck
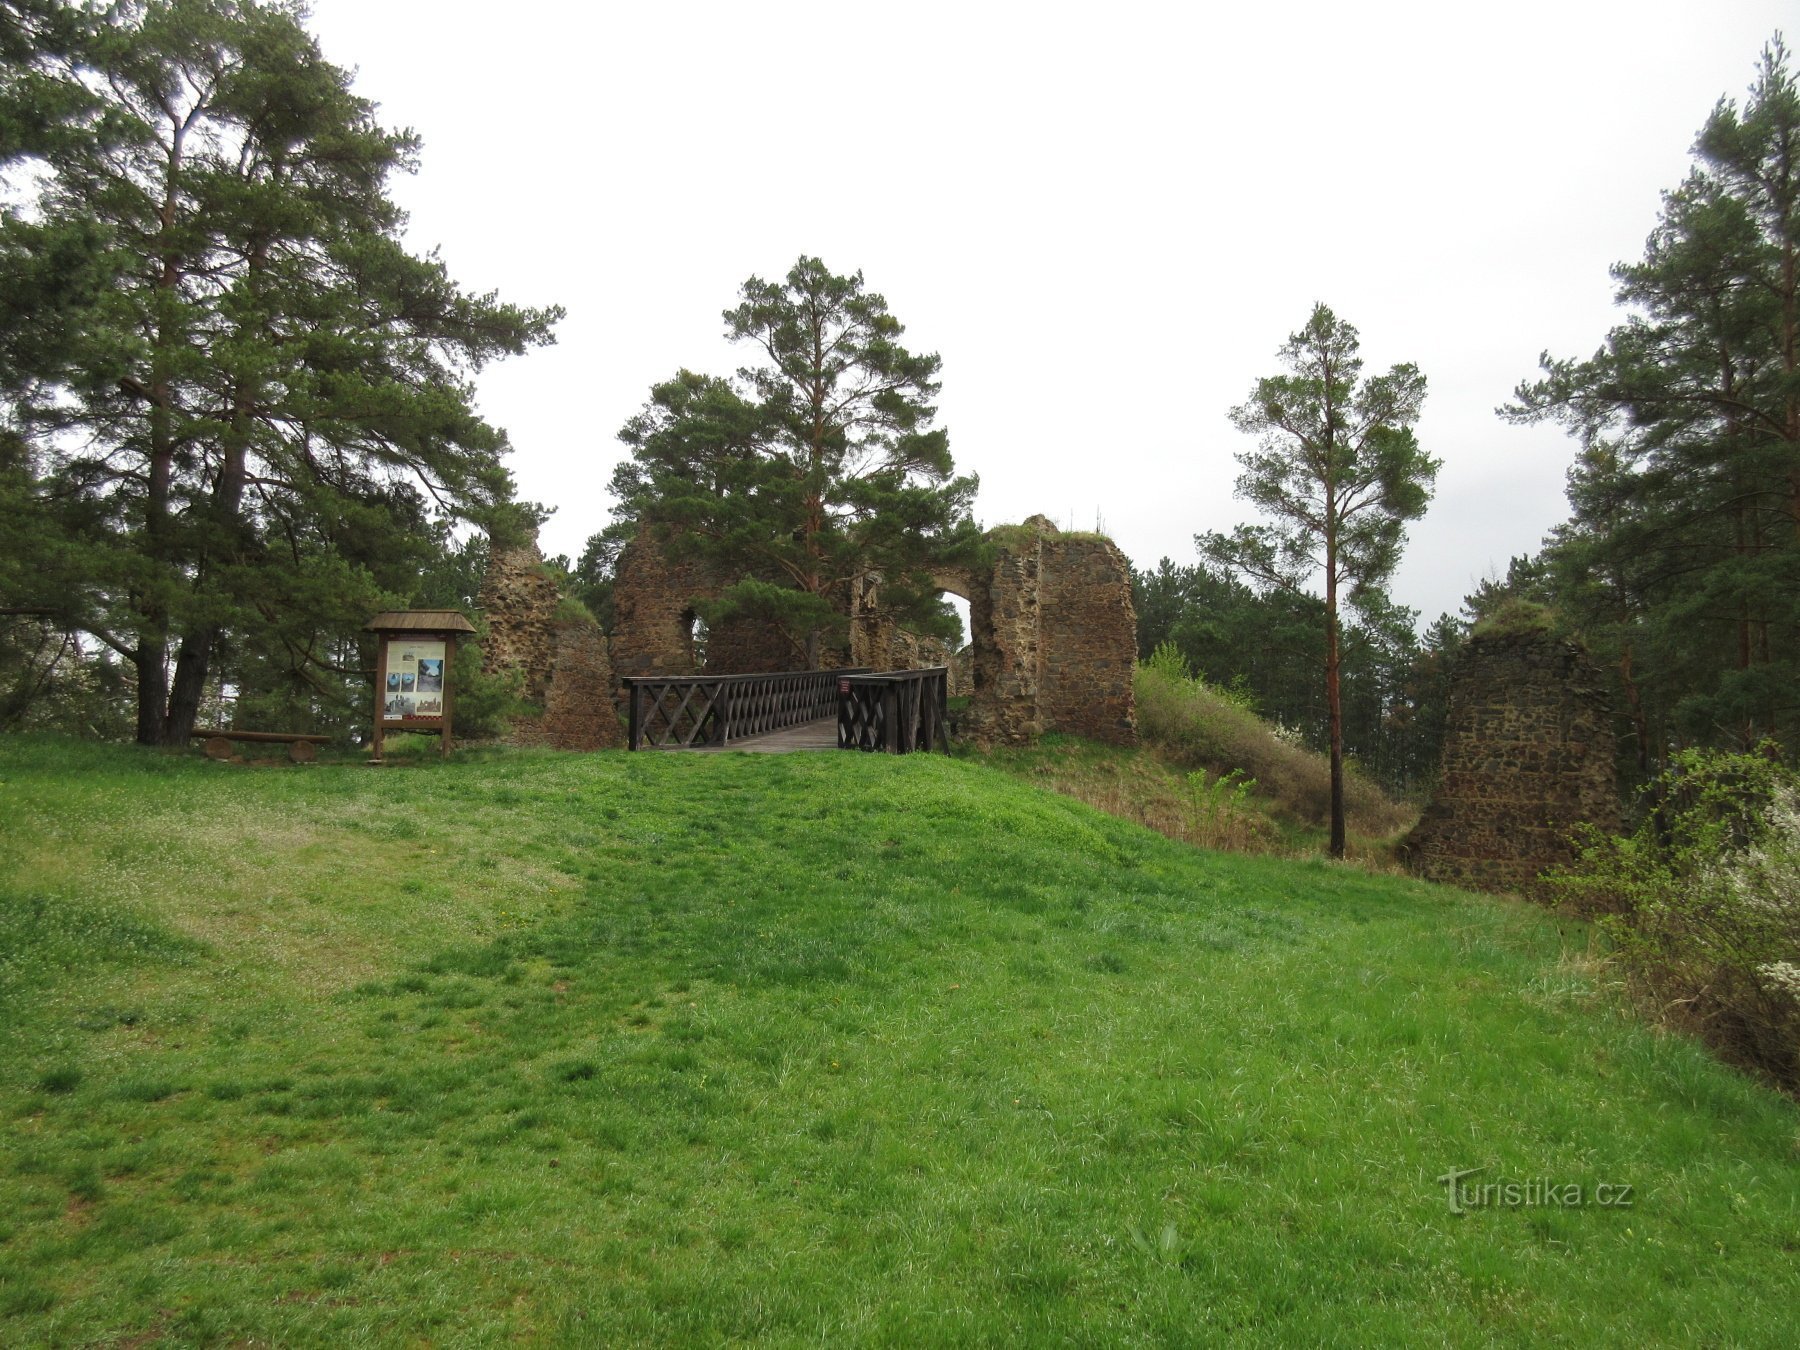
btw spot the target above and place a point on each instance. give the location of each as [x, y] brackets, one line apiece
[819, 734]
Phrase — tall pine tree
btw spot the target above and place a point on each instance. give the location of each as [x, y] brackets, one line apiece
[1338, 472]
[817, 471]
[270, 401]
[1682, 556]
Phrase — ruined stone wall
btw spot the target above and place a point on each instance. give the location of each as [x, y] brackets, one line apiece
[1054, 639]
[1087, 647]
[518, 601]
[651, 596]
[1528, 755]
[962, 671]
[1004, 627]
[653, 621]
[578, 709]
[879, 644]
[563, 661]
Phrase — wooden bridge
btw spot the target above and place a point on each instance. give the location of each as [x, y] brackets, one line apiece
[894, 711]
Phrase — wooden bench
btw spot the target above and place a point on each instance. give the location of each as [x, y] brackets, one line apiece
[301, 744]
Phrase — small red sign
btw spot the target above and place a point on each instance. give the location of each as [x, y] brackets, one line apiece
[843, 686]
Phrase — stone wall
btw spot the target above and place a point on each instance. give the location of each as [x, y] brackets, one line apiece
[578, 709]
[518, 602]
[1054, 638]
[653, 611]
[1088, 639]
[1003, 627]
[564, 662]
[1528, 755]
[654, 621]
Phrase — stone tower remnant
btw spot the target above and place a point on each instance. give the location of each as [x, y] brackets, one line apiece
[1054, 638]
[1528, 756]
[518, 600]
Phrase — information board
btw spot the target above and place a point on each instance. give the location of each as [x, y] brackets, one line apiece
[415, 679]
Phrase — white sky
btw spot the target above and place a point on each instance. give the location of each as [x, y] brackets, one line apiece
[1106, 219]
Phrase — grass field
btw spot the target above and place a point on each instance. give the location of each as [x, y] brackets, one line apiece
[825, 1049]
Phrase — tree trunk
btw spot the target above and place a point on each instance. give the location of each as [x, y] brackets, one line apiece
[1334, 703]
[152, 655]
[1335, 710]
[151, 658]
[195, 656]
[191, 664]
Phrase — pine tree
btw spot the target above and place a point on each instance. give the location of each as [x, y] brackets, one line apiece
[1682, 556]
[269, 402]
[817, 471]
[1339, 472]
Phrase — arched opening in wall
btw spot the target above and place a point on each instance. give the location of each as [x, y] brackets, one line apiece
[953, 590]
[693, 630]
[960, 607]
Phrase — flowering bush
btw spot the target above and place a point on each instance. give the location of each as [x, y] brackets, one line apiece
[1702, 904]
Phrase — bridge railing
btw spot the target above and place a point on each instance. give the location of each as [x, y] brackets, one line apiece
[689, 711]
[895, 711]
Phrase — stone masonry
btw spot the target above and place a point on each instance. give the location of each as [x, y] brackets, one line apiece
[578, 708]
[518, 600]
[563, 662]
[1528, 755]
[1054, 638]
[1088, 641]
[654, 623]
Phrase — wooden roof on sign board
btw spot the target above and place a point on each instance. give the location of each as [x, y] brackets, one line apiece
[420, 621]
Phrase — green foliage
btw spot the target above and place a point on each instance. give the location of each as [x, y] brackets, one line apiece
[570, 610]
[1168, 662]
[1680, 562]
[251, 417]
[486, 702]
[1339, 473]
[816, 472]
[1220, 807]
[458, 1033]
[1702, 903]
[50, 680]
[1516, 618]
[590, 578]
[1337, 470]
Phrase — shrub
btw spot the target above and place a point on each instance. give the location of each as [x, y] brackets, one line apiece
[1702, 904]
[486, 701]
[1219, 811]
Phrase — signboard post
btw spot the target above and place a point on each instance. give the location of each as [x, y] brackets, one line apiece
[414, 689]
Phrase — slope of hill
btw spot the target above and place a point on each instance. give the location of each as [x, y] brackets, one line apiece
[1210, 772]
[829, 1048]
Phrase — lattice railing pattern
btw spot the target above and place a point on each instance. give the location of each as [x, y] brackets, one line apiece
[689, 711]
[895, 711]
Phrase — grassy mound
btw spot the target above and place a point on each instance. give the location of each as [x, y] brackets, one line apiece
[613, 1048]
[1210, 772]
[1200, 727]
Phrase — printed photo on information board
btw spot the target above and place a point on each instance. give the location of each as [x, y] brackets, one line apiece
[415, 679]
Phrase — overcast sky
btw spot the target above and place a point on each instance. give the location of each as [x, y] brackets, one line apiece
[1106, 219]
